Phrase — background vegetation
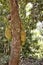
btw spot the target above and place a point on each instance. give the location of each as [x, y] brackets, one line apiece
[31, 14]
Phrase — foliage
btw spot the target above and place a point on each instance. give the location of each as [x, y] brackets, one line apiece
[31, 14]
[4, 42]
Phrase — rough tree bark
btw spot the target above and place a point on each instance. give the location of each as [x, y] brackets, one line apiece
[15, 24]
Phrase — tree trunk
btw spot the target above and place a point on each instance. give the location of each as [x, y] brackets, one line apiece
[15, 24]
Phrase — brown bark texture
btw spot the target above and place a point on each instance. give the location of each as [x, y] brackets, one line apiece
[16, 28]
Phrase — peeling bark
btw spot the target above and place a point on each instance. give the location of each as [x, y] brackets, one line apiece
[15, 24]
